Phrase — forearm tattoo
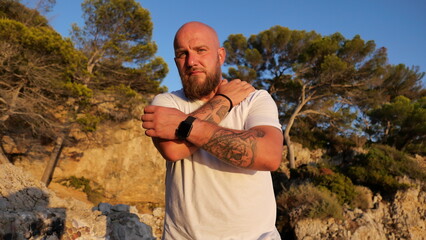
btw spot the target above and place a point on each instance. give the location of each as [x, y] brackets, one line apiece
[212, 115]
[234, 147]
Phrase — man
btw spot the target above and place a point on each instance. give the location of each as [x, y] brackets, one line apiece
[220, 140]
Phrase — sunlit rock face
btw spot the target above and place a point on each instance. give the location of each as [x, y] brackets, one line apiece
[28, 210]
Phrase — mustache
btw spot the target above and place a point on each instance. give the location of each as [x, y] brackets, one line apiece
[192, 69]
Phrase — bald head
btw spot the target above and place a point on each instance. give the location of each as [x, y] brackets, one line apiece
[192, 28]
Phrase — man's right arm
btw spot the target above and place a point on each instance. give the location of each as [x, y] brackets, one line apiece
[213, 111]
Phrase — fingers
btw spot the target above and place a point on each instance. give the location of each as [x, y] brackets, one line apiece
[149, 109]
[161, 121]
[150, 133]
[148, 125]
[147, 117]
[242, 85]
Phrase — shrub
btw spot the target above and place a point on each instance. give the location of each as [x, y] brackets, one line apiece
[380, 169]
[307, 201]
[363, 198]
[83, 184]
[88, 122]
[325, 178]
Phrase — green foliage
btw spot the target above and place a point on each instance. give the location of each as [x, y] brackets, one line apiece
[82, 183]
[94, 195]
[88, 122]
[380, 168]
[79, 90]
[36, 62]
[335, 140]
[308, 75]
[326, 179]
[124, 90]
[44, 42]
[338, 184]
[308, 201]
[400, 80]
[401, 123]
[243, 73]
[14, 10]
[117, 103]
[116, 40]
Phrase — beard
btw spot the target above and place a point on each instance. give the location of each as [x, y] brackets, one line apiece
[194, 90]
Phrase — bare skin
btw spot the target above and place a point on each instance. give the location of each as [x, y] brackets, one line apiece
[198, 54]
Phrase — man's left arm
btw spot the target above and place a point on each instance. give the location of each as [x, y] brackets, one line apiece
[259, 148]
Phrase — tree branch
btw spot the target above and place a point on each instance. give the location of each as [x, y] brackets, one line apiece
[310, 111]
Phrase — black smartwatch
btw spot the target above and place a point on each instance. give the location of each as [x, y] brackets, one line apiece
[185, 127]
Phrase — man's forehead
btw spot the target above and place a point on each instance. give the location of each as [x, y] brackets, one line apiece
[196, 33]
[195, 42]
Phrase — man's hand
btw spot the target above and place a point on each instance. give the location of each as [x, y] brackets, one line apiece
[161, 122]
[236, 90]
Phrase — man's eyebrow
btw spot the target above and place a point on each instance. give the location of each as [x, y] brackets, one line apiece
[201, 46]
[195, 47]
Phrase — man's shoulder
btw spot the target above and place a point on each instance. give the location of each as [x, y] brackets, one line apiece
[257, 94]
[261, 92]
[175, 96]
[177, 93]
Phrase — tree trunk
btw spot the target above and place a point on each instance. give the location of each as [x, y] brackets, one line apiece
[290, 152]
[53, 160]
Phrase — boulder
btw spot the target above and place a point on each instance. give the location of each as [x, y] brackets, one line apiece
[29, 210]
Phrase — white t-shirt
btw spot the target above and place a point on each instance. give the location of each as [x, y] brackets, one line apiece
[209, 199]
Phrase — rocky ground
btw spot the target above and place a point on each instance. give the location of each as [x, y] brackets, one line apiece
[405, 218]
[29, 210]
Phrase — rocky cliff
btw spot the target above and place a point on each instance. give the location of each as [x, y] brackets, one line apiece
[404, 218]
[119, 158]
[123, 161]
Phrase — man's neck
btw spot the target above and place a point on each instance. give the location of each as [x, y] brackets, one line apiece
[210, 95]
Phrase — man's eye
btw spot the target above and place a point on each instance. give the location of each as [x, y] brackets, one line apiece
[201, 50]
[181, 55]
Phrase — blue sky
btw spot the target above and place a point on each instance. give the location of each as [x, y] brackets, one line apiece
[398, 25]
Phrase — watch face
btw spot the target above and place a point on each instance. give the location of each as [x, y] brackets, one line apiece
[182, 132]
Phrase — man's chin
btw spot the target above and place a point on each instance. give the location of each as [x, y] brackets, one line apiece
[198, 78]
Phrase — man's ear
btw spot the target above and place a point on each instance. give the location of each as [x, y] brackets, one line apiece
[222, 55]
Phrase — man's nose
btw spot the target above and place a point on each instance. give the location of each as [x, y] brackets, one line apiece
[191, 59]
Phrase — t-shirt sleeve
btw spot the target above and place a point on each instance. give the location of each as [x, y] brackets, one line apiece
[263, 111]
[164, 100]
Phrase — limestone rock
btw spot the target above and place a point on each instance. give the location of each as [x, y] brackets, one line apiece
[118, 158]
[404, 218]
[122, 224]
[304, 156]
[310, 229]
[28, 210]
